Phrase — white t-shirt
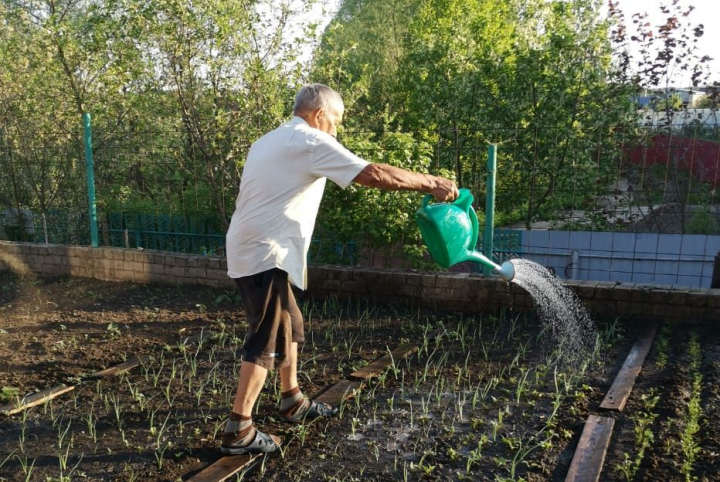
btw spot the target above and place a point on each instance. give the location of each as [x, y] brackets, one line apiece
[280, 192]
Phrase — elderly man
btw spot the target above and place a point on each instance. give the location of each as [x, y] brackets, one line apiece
[267, 244]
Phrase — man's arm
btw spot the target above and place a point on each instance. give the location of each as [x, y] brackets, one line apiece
[385, 176]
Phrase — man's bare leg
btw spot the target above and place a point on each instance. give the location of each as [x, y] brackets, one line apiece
[240, 435]
[288, 374]
[251, 381]
[293, 405]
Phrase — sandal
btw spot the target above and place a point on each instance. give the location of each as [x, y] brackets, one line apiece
[314, 410]
[261, 444]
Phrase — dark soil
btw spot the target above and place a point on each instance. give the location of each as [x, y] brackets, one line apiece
[436, 416]
[671, 382]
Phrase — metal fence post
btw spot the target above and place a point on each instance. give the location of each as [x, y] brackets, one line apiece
[90, 180]
[490, 207]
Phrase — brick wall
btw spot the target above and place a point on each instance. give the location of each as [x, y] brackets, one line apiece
[114, 264]
[444, 291]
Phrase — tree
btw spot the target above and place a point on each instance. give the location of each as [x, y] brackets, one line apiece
[534, 74]
[231, 72]
[194, 83]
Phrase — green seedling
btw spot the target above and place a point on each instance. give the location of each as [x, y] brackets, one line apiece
[9, 456]
[688, 443]
[168, 391]
[23, 429]
[9, 394]
[523, 451]
[521, 383]
[26, 466]
[91, 422]
[476, 455]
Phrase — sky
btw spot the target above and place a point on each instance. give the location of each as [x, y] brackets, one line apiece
[706, 12]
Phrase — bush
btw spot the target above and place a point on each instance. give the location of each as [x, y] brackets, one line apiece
[703, 222]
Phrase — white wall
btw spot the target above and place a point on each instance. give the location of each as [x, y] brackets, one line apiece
[665, 259]
[705, 117]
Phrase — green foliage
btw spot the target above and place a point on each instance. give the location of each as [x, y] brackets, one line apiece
[536, 75]
[707, 102]
[376, 218]
[177, 93]
[703, 222]
[669, 102]
[9, 394]
[691, 418]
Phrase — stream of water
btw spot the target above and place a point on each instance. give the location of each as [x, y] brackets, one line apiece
[561, 312]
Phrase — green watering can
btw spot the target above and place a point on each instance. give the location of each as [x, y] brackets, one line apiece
[450, 231]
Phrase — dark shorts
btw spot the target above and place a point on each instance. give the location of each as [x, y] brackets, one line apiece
[274, 319]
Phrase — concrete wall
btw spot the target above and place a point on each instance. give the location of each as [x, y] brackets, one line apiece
[446, 291]
[664, 259]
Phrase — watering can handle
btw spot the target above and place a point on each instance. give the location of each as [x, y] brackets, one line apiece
[464, 199]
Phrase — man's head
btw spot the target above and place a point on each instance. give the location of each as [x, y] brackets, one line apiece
[320, 106]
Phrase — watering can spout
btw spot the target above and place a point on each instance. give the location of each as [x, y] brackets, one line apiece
[478, 257]
[506, 271]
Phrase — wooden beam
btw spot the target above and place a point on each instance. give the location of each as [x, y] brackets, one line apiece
[224, 468]
[443, 330]
[35, 399]
[200, 337]
[587, 463]
[343, 390]
[120, 368]
[377, 367]
[619, 392]
[135, 361]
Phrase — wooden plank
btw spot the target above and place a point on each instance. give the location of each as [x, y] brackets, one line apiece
[135, 361]
[228, 466]
[377, 367]
[50, 393]
[438, 332]
[224, 468]
[621, 388]
[587, 463]
[343, 390]
[121, 368]
[35, 399]
[200, 337]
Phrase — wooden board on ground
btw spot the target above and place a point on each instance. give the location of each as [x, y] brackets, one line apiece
[342, 390]
[621, 388]
[377, 367]
[224, 468]
[35, 399]
[121, 368]
[441, 331]
[589, 456]
[200, 337]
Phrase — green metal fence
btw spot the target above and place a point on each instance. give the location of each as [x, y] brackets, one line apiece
[165, 232]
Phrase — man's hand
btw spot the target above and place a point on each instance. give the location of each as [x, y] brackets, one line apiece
[444, 189]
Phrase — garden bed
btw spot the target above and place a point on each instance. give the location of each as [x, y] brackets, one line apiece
[486, 400]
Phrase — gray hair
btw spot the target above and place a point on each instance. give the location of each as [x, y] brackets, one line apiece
[317, 96]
